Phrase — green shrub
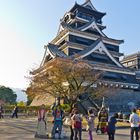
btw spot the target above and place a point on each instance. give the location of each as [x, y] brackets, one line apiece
[66, 107]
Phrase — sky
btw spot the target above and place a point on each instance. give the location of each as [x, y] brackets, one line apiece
[27, 25]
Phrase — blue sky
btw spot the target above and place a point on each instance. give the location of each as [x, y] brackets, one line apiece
[27, 25]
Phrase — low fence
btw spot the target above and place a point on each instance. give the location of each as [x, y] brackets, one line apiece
[30, 111]
[7, 113]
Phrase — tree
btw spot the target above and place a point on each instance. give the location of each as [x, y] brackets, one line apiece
[7, 95]
[21, 103]
[66, 79]
[29, 100]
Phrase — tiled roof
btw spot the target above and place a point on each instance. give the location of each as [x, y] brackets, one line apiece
[53, 49]
[127, 57]
[89, 11]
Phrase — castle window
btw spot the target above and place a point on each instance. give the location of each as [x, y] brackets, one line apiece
[82, 41]
[73, 51]
[112, 47]
[125, 64]
[99, 21]
[66, 18]
[129, 63]
[63, 42]
[89, 7]
[84, 16]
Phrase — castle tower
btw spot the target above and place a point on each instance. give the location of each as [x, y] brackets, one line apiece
[81, 36]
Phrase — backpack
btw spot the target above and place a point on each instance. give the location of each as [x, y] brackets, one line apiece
[77, 124]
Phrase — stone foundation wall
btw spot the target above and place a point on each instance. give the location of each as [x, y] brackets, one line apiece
[44, 99]
[39, 100]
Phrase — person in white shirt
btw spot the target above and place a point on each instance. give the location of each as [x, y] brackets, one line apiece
[134, 122]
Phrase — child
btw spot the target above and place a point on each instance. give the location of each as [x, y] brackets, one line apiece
[90, 120]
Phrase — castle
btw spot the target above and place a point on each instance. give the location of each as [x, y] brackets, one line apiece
[80, 36]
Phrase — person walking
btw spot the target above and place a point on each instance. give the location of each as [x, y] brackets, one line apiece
[1, 111]
[111, 127]
[90, 123]
[15, 112]
[77, 125]
[134, 122]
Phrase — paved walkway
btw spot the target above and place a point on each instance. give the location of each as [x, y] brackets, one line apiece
[24, 129]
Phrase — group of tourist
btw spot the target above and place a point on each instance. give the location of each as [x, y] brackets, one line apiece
[75, 123]
[105, 124]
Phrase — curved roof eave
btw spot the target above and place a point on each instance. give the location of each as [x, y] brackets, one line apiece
[91, 11]
[88, 2]
[97, 45]
[54, 51]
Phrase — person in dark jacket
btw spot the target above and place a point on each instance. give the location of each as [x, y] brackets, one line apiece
[15, 112]
[1, 111]
[111, 127]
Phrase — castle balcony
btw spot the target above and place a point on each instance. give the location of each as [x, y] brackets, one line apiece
[82, 47]
[84, 21]
[110, 68]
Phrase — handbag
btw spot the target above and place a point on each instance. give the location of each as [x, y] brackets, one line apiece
[68, 121]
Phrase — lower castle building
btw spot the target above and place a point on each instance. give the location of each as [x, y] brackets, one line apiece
[132, 61]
